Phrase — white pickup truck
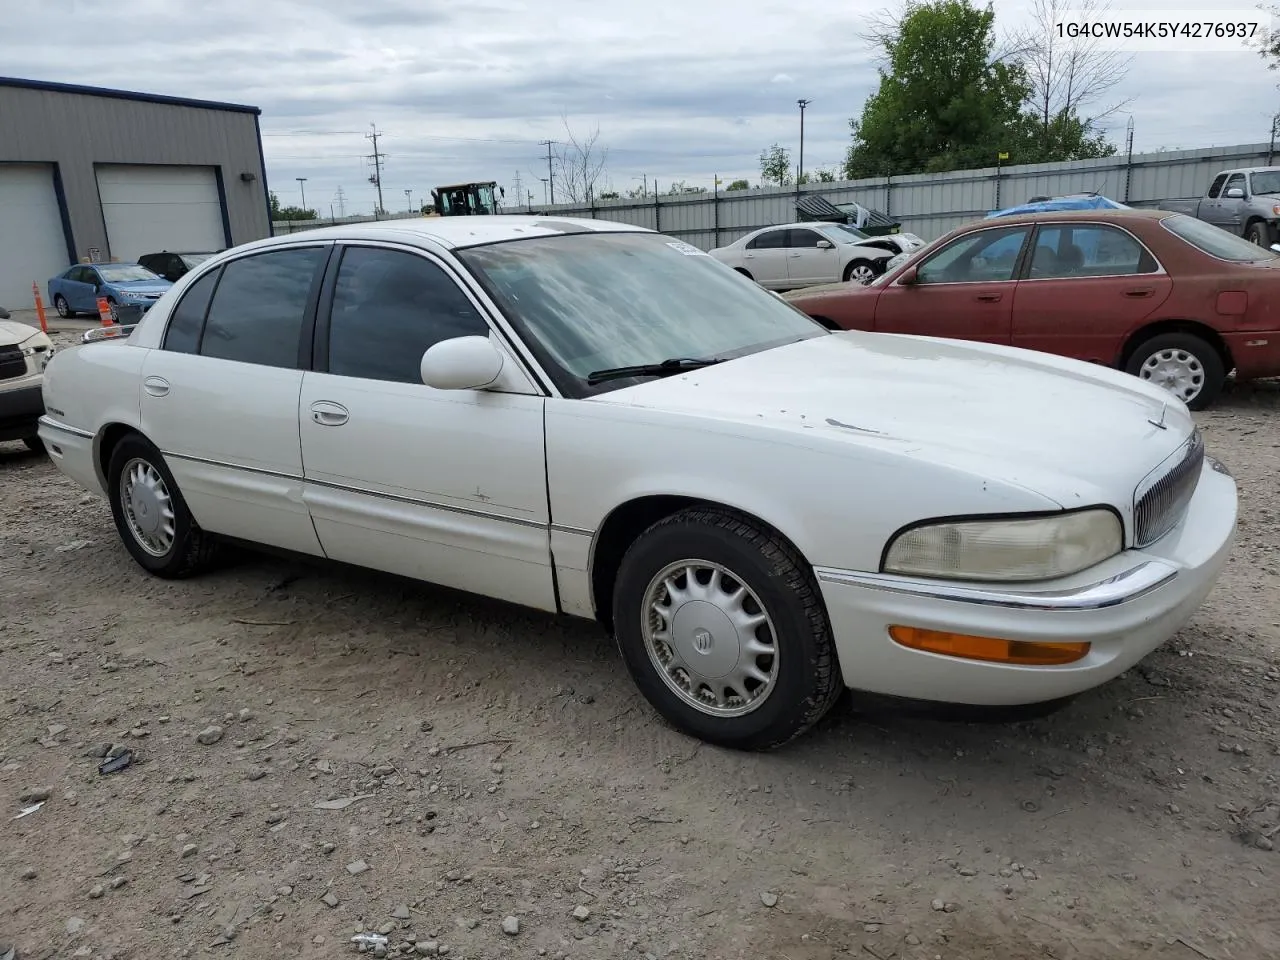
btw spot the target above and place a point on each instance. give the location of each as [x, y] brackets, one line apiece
[1245, 202]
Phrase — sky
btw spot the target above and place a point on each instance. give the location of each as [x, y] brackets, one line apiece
[678, 90]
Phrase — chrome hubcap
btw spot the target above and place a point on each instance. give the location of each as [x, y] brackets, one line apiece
[862, 275]
[710, 638]
[148, 507]
[1178, 371]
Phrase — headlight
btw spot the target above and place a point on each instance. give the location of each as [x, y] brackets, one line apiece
[1041, 548]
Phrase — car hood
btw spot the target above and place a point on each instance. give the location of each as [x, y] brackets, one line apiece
[12, 332]
[1074, 433]
[143, 286]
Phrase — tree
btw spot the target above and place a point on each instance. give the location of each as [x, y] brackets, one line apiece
[739, 185]
[579, 165]
[1066, 76]
[1269, 45]
[680, 187]
[289, 213]
[946, 99]
[775, 165]
[825, 175]
[608, 195]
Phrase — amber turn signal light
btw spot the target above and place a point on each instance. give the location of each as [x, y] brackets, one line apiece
[990, 649]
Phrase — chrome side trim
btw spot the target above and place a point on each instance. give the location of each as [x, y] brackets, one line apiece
[52, 424]
[1128, 585]
[230, 466]
[434, 505]
[577, 531]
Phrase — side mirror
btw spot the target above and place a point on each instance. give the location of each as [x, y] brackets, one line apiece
[462, 363]
[826, 245]
[908, 276]
[1276, 247]
[1235, 193]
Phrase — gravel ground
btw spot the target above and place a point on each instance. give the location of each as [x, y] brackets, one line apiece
[318, 752]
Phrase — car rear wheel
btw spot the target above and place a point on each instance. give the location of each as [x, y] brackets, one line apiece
[34, 444]
[721, 625]
[151, 516]
[860, 271]
[1184, 364]
[64, 309]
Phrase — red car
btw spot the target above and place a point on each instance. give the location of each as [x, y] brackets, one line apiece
[1164, 296]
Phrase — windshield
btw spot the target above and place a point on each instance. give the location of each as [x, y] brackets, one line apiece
[125, 272]
[1267, 183]
[595, 301]
[1215, 241]
[192, 259]
[842, 232]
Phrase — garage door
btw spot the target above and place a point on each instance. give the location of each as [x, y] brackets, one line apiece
[33, 246]
[148, 209]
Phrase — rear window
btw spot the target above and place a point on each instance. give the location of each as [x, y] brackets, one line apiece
[1215, 241]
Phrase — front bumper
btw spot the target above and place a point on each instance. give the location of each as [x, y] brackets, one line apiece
[1125, 608]
[20, 411]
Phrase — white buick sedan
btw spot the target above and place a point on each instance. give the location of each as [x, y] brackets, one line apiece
[596, 420]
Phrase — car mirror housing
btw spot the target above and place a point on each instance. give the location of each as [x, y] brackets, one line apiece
[461, 363]
[908, 276]
[826, 245]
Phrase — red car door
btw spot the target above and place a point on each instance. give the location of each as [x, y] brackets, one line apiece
[1086, 287]
[964, 290]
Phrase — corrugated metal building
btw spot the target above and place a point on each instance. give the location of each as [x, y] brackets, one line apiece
[92, 173]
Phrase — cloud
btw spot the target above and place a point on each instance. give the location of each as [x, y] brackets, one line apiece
[680, 89]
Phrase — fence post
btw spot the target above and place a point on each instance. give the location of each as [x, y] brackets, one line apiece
[657, 211]
[888, 195]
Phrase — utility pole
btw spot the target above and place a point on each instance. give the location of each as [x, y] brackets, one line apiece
[1128, 158]
[519, 192]
[302, 182]
[544, 188]
[341, 198]
[1275, 122]
[377, 159]
[800, 169]
[551, 176]
[644, 184]
[408, 199]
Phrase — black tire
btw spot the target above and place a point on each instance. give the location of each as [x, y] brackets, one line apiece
[826, 322]
[1257, 233]
[807, 680]
[1201, 354]
[863, 267]
[115, 313]
[191, 550]
[34, 444]
[745, 273]
[64, 309]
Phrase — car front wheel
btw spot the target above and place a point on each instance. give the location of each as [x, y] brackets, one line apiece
[860, 271]
[1257, 234]
[721, 625]
[64, 309]
[150, 514]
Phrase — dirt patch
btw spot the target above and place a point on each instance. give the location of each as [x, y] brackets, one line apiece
[503, 766]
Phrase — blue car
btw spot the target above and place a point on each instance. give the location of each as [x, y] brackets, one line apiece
[77, 289]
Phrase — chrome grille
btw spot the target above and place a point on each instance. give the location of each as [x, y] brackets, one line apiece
[12, 362]
[1162, 498]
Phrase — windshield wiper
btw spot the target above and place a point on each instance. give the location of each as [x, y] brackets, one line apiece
[665, 368]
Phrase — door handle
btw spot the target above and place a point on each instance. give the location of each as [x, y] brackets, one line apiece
[989, 297]
[328, 414]
[1139, 292]
[156, 386]
[748, 256]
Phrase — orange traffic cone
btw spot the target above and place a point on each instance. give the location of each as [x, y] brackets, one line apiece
[104, 312]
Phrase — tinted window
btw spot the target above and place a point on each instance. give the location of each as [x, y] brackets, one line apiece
[1092, 251]
[183, 332]
[1215, 188]
[1215, 241]
[258, 310]
[388, 308]
[770, 240]
[985, 256]
[1236, 180]
[803, 238]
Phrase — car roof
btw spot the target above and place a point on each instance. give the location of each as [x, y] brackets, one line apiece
[1119, 216]
[454, 232]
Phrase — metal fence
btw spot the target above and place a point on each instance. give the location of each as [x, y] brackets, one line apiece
[279, 227]
[927, 204]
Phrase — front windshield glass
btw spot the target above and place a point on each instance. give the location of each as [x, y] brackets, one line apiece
[192, 259]
[1215, 241]
[594, 301]
[1267, 183]
[847, 233]
[125, 273]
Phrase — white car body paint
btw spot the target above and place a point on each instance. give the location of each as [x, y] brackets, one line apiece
[791, 268]
[837, 442]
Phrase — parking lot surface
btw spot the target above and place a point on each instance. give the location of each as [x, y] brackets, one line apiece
[319, 752]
